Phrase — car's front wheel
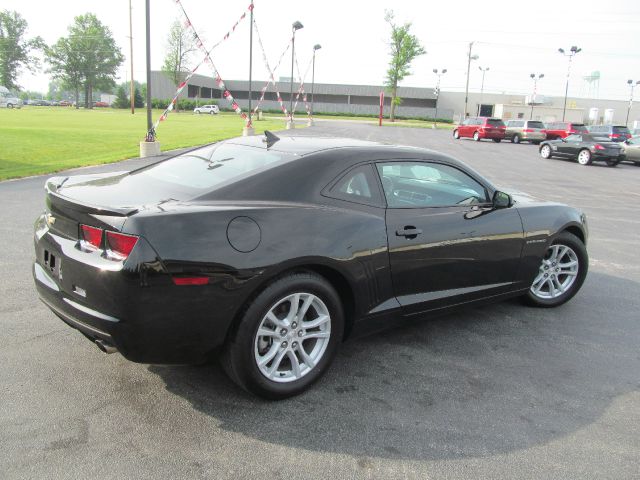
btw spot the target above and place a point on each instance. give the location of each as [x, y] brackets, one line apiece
[612, 162]
[476, 136]
[497, 140]
[561, 273]
[545, 151]
[456, 134]
[287, 337]
[516, 139]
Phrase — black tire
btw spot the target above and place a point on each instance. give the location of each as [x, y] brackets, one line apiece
[570, 240]
[9, 105]
[456, 134]
[476, 136]
[212, 112]
[612, 162]
[497, 140]
[516, 139]
[238, 357]
[197, 112]
[584, 157]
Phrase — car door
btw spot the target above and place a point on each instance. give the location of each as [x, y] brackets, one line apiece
[447, 244]
[463, 129]
[570, 146]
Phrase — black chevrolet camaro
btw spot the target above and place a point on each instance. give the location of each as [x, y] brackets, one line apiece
[269, 252]
[584, 148]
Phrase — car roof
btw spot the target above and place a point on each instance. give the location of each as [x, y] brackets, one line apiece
[304, 145]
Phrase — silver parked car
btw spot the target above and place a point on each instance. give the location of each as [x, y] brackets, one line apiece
[631, 149]
[525, 131]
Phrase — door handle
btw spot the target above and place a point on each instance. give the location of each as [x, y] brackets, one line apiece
[408, 231]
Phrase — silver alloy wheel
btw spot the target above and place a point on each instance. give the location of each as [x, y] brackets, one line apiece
[456, 134]
[545, 151]
[516, 139]
[558, 272]
[584, 157]
[476, 137]
[292, 337]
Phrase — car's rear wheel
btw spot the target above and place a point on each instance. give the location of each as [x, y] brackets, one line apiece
[212, 112]
[497, 140]
[476, 136]
[287, 337]
[545, 151]
[9, 105]
[561, 273]
[456, 134]
[584, 157]
[516, 139]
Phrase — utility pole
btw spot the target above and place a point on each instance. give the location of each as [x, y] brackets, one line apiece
[151, 135]
[131, 96]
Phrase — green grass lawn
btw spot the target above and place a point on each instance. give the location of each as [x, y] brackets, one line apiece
[38, 140]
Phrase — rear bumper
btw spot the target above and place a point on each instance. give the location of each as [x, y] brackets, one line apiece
[141, 313]
[492, 135]
[534, 136]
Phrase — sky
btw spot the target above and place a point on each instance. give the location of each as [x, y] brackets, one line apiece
[512, 39]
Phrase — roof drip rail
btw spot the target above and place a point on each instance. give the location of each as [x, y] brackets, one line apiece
[270, 139]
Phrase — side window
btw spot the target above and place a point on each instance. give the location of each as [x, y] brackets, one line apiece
[426, 184]
[358, 185]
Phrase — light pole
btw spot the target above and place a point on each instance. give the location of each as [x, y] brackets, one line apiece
[316, 47]
[296, 26]
[435, 70]
[466, 91]
[483, 70]
[632, 86]
[572, 52]
[535, 85]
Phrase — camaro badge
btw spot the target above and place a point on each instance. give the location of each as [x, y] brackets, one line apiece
[50, 219]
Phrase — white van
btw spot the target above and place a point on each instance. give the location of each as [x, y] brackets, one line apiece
[8, 100]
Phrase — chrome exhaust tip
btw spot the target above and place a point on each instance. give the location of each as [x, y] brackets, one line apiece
[106, 347]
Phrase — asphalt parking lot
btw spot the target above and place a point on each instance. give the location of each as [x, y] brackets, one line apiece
[501, 391]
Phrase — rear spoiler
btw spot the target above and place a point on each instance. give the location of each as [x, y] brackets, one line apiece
[51, 187]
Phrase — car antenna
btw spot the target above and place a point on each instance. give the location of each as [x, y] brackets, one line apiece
[270, 138]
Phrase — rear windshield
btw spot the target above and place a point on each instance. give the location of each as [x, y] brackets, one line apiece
[621, 130]
[207, 167]
[579, 127]
[496, 122]
[534, 124]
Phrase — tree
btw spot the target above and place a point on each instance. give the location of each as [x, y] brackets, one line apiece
[87, 58]
[15, 50]
[404, 48]
[180, 45]
[138, 101]
[121, 101]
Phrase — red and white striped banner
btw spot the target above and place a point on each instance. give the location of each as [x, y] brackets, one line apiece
[207, 59]
[272, 78]
[301, 88]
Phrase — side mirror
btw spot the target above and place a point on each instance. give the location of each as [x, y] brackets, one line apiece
[501, 200]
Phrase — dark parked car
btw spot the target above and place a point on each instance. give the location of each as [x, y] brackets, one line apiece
[584, 148]
[525, 131]
[272, 253]
[479, 128]
[556, 130]
[615, 133]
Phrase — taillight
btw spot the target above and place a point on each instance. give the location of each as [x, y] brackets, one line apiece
[598, 147]
[119, 245]
[528, 130]
[615, 135]
[190, 280]
[91, 237]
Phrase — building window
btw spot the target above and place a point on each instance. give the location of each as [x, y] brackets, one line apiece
[520, 115]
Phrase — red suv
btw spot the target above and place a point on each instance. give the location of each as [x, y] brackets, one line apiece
[557, 130]
[479, 128]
